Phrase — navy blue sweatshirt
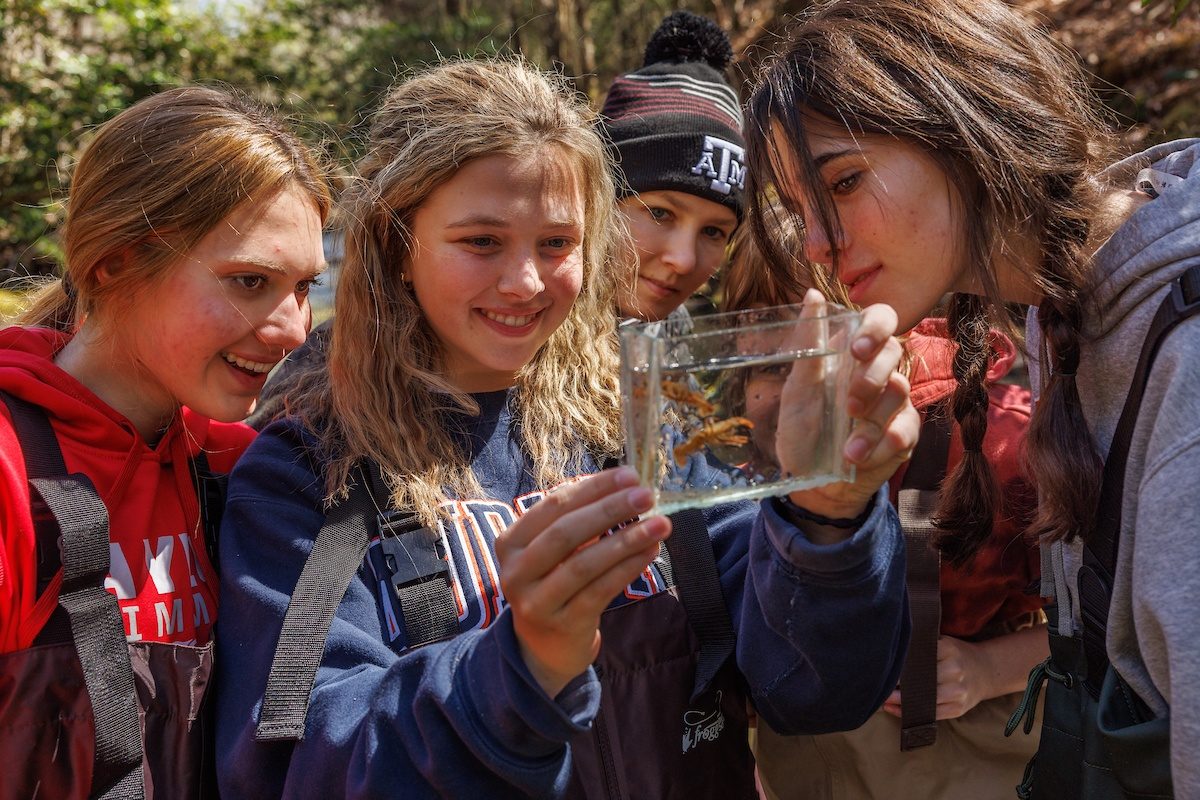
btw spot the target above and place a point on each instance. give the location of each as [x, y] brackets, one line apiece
[821, 632]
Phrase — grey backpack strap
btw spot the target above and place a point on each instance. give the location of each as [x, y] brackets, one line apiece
[97, 630]
[336, 555]
[917, 503]
[419, 576]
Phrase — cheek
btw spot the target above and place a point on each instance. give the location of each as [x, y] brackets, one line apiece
[205, 325]
[762, 398]
[648, 238]
[710, 255]
[567, 278]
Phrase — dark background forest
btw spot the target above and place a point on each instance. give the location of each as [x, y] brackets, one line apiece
[67, 65]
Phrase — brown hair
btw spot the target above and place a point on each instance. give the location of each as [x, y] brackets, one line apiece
[384, 396]
[1008, 116]
[157, 178]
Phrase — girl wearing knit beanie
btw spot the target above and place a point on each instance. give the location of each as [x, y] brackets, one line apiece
[674, 127]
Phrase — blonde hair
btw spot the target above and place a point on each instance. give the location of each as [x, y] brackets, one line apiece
[382, 397]
[156, 179]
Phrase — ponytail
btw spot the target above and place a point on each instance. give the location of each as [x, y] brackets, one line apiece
[53, 306]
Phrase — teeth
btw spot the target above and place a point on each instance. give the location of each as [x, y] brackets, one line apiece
[253, 366]
[512, 322]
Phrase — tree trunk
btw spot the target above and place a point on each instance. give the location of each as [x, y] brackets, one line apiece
[588, 81]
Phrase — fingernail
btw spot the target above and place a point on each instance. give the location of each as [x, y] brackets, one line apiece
[856, 449]
[640, 498]
[626, 476]
[659, 528]
[862, 346]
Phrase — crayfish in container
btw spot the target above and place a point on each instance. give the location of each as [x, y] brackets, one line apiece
[685, 395]
[710, 433]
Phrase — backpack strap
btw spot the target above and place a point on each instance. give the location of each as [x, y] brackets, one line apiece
[419, 576]
[336, 555]
[917, 503]
[97, 629]
[1100, 551]
[694, 570]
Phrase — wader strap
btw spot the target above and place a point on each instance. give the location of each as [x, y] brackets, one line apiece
[419, 572]
[1100, 549]
[97, 630]
[211, 489]
[336, 555]
[43, 459]
[917, 503]
[694, 568]
[39, 445]
[98, 633]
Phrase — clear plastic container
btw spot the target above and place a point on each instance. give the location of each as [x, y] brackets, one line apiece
[741, 405]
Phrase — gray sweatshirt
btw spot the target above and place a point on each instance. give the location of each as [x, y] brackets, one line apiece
[1154, 620]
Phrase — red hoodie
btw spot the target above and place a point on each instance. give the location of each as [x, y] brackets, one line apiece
[991, 590]
[159, 570]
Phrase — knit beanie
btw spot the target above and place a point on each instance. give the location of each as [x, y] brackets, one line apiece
[675, 124]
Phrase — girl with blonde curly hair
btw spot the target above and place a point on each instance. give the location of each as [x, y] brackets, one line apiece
[471, 386]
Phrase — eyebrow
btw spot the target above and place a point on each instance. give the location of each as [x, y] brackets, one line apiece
[483, 220]
[825, 158]
[271, 266]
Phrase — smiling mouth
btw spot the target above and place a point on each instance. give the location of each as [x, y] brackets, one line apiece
[510, 320]
[246, 365]
[659, 285]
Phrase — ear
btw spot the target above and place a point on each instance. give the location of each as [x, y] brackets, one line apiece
[113, 264]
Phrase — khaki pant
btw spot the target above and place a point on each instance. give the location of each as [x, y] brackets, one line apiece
[972, 759]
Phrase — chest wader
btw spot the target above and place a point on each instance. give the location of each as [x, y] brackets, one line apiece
[77, 705]
[672, 720]
[1099, 740]
[916, 505]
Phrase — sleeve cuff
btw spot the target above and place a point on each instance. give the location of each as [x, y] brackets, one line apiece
[857, 553]
[550, 720]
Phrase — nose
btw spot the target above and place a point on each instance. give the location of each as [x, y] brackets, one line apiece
[522, 279]
[817, 245]
[287, 326]
[680, 253]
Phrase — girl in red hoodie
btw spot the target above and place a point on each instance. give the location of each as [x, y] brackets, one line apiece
[192, 236]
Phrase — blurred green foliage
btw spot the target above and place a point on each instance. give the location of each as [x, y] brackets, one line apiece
[68, 65]
[1177, 6]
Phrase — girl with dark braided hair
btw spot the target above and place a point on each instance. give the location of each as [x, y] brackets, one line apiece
[983, 611]
[949, 146]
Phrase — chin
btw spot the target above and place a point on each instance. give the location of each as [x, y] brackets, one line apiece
[225, 412]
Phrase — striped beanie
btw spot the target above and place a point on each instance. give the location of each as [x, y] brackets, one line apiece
[675, 124]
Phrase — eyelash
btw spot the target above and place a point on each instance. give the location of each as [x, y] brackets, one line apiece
[303, 287]
[846, 184]
[485, 242]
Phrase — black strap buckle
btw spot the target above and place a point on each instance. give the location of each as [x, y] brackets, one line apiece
[1185, 291]
[413, 553]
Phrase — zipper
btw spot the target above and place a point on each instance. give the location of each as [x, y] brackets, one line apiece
[603, 745]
